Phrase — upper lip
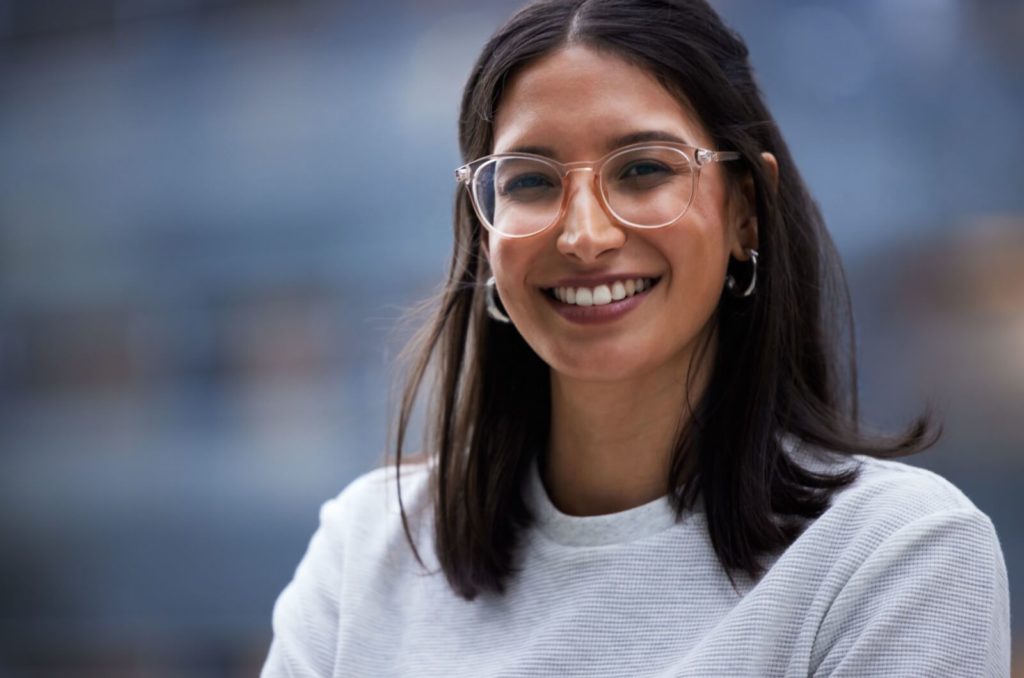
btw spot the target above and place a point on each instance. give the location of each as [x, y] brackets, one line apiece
[595, 280]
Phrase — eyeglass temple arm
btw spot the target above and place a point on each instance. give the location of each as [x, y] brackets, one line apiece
[462, 174]
[704, 156]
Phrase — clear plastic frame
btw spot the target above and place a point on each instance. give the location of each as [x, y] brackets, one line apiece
[644, 186]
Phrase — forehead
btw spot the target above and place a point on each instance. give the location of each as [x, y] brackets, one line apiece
[577, 99]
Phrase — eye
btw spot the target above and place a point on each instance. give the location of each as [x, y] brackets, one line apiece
[525, 182]
[523, 185]
[643, 174]
[644, 168]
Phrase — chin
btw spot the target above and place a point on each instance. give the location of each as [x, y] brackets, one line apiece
[587, 365]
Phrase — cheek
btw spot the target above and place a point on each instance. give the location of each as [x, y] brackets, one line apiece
[697, 256]
[510, 262]
[698, 251]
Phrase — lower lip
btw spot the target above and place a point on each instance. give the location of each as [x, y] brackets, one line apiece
[590, 315]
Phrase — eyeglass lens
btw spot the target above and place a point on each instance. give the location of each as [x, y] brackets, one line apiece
[646, 187]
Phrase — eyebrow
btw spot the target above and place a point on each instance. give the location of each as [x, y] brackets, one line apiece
[617, 142]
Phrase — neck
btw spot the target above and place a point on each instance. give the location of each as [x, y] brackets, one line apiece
[611, 443]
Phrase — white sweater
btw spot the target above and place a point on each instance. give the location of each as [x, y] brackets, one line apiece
[901, 576]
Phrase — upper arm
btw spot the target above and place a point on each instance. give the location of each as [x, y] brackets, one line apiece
[933, 599]
[305, 616]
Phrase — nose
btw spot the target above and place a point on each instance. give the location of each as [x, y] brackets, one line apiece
[587, 230]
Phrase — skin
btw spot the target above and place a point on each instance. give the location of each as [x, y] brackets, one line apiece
[618, 390]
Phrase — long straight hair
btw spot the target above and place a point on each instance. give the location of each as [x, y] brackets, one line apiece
[785, 359]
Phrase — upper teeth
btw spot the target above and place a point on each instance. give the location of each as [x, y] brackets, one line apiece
[602, 294]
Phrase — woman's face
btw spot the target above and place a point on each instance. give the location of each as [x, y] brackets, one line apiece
[575, 104]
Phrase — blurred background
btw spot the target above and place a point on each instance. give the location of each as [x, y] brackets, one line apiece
[203, 260]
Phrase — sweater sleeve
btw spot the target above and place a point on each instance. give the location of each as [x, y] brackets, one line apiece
[305, 618]
[932, 599]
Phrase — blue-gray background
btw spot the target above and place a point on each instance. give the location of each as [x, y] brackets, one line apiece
[213, 213]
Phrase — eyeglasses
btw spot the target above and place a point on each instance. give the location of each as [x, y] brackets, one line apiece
[647, 185]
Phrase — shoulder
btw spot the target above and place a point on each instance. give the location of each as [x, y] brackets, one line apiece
[360, 529]
[897, 526]
[373, 502]
[356, 549]
[884, 490]
[898, 507]
[890, 507]
[902, 548]
[886, 485]
[381, 486]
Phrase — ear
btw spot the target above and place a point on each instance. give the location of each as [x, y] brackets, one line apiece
[745, 235]
[771, 168]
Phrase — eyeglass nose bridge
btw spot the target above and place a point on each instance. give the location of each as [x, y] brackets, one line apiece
[595, 186]
[579, 167]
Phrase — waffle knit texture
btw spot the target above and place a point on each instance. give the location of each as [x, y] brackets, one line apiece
[901, 576]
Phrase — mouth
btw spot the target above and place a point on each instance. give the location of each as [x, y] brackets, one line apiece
[601, 295]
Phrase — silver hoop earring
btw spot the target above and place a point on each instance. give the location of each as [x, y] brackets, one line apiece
[730, 280]
[492, 302]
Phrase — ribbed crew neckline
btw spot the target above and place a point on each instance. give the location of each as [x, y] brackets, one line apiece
[602, 530]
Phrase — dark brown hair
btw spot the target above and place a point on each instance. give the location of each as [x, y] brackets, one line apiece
[785, 358]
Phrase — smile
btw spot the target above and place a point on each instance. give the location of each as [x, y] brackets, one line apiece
[601, 295]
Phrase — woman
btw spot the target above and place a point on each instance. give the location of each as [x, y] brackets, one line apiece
[644, 455]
